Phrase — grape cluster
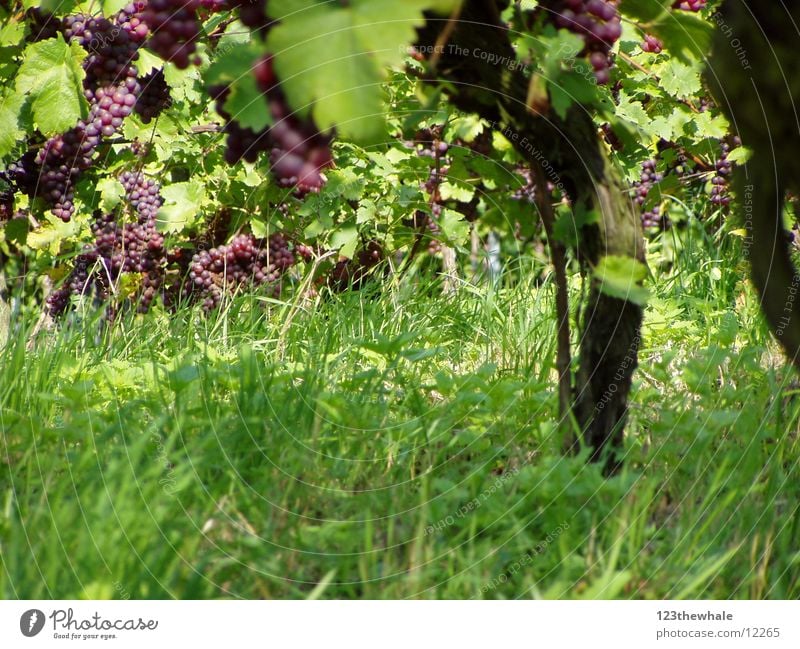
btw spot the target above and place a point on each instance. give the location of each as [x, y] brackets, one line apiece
[246, 260]
[353, 273]
[298, 151]
[130, 19]
[110, 86]
[128, 247]
[596, 21]
[214, 5]
[720, 183]
[23, 174]
[111, 50]
[154, 96]
[121, 247]
[652, 44]
[526, 192]
[689, 5]
[64, 157]
[79, 283]
[174, 29]
[253, 14]
[41, 24]
[651, 218]
[143, 195]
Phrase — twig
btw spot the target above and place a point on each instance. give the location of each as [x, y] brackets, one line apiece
[563, 354]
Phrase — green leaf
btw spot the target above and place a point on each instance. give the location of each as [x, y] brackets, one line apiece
[740, 155]
[234, 69]
[345, 183]
[182, 202]
[10, 132]
[457, 192]
[621, 277]
[454, 228]
[352, 44]
[687, 37]
[366, 212]
[679, 79]
[345, 241]
[52, 233]
[12, 34]
[16, 231]
[52, 76]
[148, 62]
[646, 11]
[708, 125]
[259, 227]
[61, 7]
[111, 7]
[111, 192]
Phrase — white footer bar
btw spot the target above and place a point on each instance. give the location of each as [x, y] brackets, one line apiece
[400, 625]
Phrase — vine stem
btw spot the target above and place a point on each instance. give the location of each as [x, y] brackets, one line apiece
[564, 353]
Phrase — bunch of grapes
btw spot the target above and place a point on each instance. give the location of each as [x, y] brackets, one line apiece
[143, 195]
[111, 88]
[720, 183]
[224, 269]
[596, 21]
[652, 44]
[111, 51]
[79, 283]
[41, 24]
[353, 273]
[649, 176]
[253, 14]
[23, 174]
[689, 5]
[298, 151]
[132, 247]
[526, 192]
[130, 19]
[174, 29]
[154, 96]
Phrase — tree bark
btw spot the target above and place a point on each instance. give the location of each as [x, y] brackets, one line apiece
[753, 72]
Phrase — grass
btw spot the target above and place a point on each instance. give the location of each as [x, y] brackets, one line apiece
[397, 444]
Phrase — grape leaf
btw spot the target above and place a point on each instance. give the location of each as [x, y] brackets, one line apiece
[234, 69]
[455, 229]
[679, 79]
[345, 241]
[52, 76]
[341, 82]
[621, 277]
[111, 7]
[645, 10]
[456, 191]
[12, 34]
[10, 131]
[182, 202]
[111, 192]
[62, 7]
[687, 37]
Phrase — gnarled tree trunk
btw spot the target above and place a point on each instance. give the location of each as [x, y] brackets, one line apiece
[753, 69]
[570, 152]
